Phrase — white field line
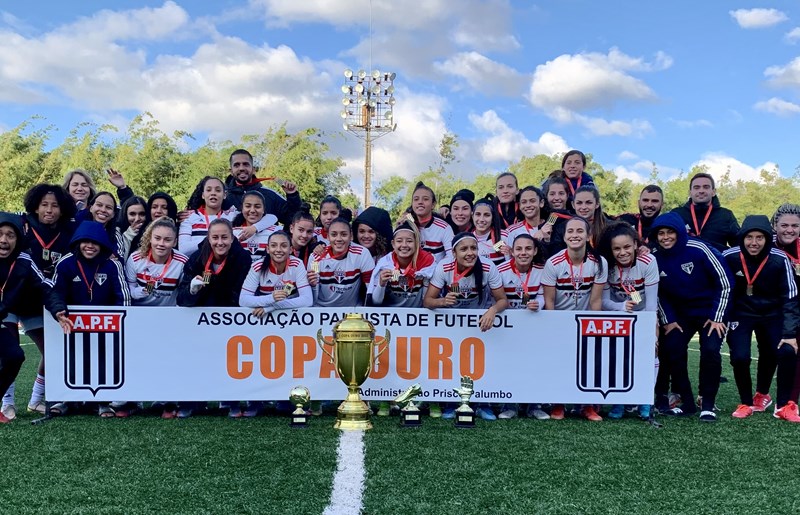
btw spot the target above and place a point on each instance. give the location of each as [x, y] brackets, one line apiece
[348, 482]
[723, 353]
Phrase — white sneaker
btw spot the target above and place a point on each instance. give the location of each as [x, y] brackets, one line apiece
[538, 413]
[509, 413]
[10, 411]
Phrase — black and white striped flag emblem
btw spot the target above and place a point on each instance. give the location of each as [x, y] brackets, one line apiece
[605, 353]
[94, 352]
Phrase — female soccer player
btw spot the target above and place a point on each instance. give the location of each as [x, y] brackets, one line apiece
[586, 203]
[401, 277]
[764, 302]
[632, 283]
[253, 211]
[435, 234]
[301, 231]
[372, 229]
[573, 163]
[491, 238]
[505, 201]
[329, 210]
[531, 205]
[459, 216]
[80, 187]
[23, 290]
[574, 280]
[693, 297]
[786, 224]
[130, 221]
[159, 205]
[521, 277]
[472, 282]
[103, 209]
[342, 272]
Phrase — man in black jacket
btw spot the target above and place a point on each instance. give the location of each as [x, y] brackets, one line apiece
[242, 179]
[705, 218]
[651, 200]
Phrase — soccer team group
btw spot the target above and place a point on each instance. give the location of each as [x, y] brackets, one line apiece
[239, 243]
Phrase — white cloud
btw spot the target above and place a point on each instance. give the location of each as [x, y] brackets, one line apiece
[691, 124]
[627, 155]
[718, 164]
[506, 144]
[483, 74]
[758, 18]
[570, 84]
[777, 106]
[787, 76]
[640, 171]
[793, 36]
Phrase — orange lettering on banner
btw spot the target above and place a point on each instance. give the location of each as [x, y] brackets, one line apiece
[477, 361]
[273, 357]
[409, 362]
[381, 369]
[327, 370]
[304, 349]
[439, 352]
[239, 346]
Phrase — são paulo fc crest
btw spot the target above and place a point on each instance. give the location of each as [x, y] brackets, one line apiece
[339, 275]
[688, 267]
[94, 352]
[605, 354]
[100, 278]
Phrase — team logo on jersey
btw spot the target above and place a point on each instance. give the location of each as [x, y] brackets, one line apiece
[338, 275]
[688, 267]
[402, 282]
[733, 326]
[94, 352]
[100, 278]
[605, 354]
[252, 246]
[55, 256]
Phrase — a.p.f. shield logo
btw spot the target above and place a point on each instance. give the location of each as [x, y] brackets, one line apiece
[94, 352]
[605, 353]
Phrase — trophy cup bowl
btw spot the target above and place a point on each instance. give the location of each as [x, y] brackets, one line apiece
[409, 415]
[353, 355]
[300, 397]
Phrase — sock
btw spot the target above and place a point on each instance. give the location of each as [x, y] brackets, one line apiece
[38, 390]
[8, 398]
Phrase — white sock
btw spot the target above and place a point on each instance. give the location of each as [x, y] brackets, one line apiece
[8, 398]
[38, 390]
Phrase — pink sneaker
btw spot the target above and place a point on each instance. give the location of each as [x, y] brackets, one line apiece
[761, 402]
[788, 412]
[742, 411]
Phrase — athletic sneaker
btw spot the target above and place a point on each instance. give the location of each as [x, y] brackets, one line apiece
[644, 412]
[10, 411]
[788, 412]
[617, 412]
[37, 407]
[676, 412]
[3, 419]
[435, 411]
[699, 404]
[448, 414]
[509, 411]
[184, 412]
[316, 408]
[675, 400]
[708, 416]
[589, 413]
[384, 409]
[235, 410]
[742, 411]
[536, 411]
[761, 402]
[557, 412]
[486, 413]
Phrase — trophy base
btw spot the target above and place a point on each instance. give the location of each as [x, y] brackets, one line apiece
[353, 416]
[465, 419]
[299, 421]
[410, 418]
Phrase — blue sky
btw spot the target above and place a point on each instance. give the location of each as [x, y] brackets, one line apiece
[676, 83]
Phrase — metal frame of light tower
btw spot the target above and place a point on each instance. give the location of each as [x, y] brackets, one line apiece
[368, 112]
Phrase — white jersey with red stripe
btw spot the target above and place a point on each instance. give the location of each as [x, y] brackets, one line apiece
[139, 271]
[260, 284]
[322, 235]
[405, 292]
[340, 280]
[486, 247]
[443, 277]
[194, 229]
[517, 229]
[573, 283]
[437, 238]
[513, 282]
[623, 280]
[256, 245]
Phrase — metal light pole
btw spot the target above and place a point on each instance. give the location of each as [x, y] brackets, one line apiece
[368, 113]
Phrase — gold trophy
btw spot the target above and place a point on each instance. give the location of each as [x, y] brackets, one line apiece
[353, 354]
[409, 415]
[465, 416]
[300, 397]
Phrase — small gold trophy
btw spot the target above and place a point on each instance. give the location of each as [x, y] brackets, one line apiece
[409, 415]
[300, 397]
[465, 416]
[552, 219]
[353, 354]
[314, 267]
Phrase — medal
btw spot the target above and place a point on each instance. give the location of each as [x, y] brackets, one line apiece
[288, 288]
[636, 297]
[749, 290]
[797, 269]
[206, 277]
[149, 287]
[395, 275]
[46, 254]
[552, 219]
[499, 245]
[751, 280]
[314, 267]
[525, 299]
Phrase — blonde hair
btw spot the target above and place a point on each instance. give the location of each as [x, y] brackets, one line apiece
[144, 244]
[85, 175]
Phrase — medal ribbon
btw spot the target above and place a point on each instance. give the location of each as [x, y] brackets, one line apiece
[41, 241]
[329, 253]
[2, 288]
[408, 272]
[208, 269]
[575, 284]
[163, 272]
[747, 273]
[569, 183]
[457, 277]
[697, 230]
[519, 275]
[503, 218]
[622, 281]
[89, 285]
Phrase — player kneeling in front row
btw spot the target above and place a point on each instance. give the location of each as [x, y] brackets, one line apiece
[764, 302]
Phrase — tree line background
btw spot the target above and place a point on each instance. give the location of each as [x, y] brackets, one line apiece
[152, 160]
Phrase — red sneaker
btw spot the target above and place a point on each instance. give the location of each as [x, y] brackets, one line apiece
[557, 413]
[168, 414]
[788, 412]
[589, 413]
[742, 411]
[4, 419]
[761, 402]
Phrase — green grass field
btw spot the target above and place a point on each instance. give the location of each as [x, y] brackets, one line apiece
[207, 464]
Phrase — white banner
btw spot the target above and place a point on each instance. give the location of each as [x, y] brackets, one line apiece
[195, 354]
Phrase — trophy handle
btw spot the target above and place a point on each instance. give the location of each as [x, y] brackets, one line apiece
[321, 342]
[386, 340]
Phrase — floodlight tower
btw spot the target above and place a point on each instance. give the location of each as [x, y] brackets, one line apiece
[368, 113]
